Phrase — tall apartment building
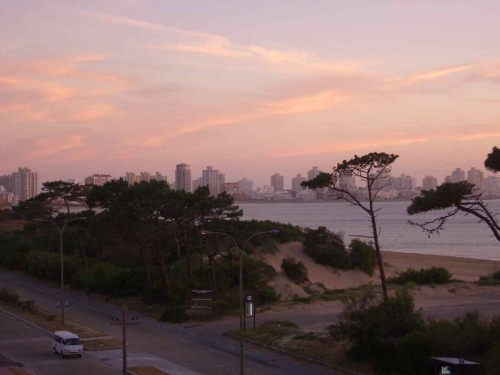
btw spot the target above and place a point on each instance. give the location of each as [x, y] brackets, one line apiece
[313, 173]
[384, 181]
[404, 182]
[277, 182]
[196, 183]
[131, 178]
[159, 177]
[183, 178]
[213, 179]
[429, 183]
[492, 186]
[296, 181]
[145, 176]
[476, 177]
[457, 175]
[246, 186]
[25, 183]
[346, 181]
[98, 179]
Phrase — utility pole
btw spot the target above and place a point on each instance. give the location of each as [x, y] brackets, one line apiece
[124, 323]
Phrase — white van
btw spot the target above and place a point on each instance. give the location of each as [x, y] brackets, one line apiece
[66, 343]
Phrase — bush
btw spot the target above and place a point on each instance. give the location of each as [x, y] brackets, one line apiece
[362, 256]
[492, 279]
[8, 296]
[295, 271]
[175, 314]
[434, 275]
[154, 293]
[326, 248]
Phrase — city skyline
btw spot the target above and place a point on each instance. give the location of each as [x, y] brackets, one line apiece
[250, 88]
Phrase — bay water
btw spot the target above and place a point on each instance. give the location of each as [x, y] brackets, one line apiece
[462, 236]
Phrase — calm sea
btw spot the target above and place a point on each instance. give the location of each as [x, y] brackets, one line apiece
[463, 236]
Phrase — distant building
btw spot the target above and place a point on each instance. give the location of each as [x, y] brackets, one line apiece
[476, 177]
[492, 186]
[145, 176]
[429, 183]
[457, 175]
[277, 182]
[313, 173]
[296, 181]
[98, 179]
[183, 178]
[159, 177]
[246, 186]
[404, 182]
[196, 183]
[6, 182]
[25, 183]
[347, 182]
[131, 178]
[382, 182]
[213, 179]
[230, 187]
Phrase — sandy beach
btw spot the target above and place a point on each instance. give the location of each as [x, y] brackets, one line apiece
[463, 269]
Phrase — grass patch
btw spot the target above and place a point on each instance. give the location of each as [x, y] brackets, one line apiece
[147, 370]
[102, 344]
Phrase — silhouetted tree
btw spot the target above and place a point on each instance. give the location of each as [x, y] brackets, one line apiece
[492, 162]
[369, 168]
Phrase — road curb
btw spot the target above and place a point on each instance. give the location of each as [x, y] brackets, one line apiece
[12, 315]
[294, 355]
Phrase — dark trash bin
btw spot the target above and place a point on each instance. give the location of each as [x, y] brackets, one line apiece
[456, 366]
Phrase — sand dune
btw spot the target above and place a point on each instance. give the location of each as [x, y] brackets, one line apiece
[464, 269]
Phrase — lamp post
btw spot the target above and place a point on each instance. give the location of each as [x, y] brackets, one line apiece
[242, 311]
[61, 231]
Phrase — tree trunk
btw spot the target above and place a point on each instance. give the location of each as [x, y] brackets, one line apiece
[379, 256]
[144, 261]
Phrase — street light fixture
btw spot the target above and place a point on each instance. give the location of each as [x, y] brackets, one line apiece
[61, 231]
[242, 311]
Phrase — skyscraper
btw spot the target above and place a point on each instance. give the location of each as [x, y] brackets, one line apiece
[145, 176]
[457, 175]
[183, 177]
[492, 186]
[131, 178]
[296, 183]
[429, 183]
[25, 183]
[313, 173]
[277, 182]
[476, 177]
[213, 179]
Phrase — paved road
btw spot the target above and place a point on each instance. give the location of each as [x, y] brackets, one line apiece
[177, 349]
[21, 343]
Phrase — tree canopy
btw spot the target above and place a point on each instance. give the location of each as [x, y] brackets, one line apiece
[492, 162]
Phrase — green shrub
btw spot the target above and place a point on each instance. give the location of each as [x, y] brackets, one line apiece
[326, 248]
[492, 279]
[175, 314]
[434, 275]
[8, 295]
[295, 271]
[362, 256]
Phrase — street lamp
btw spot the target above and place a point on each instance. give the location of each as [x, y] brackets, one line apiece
[61, 231]
[242, 311]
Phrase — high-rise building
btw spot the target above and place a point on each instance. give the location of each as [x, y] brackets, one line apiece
[131, 178]
[313, 173]
[277, 182]
[25, 183]
[145, 176]
[347, 181]
[159, 177]
[457, 175]
[404, 182]
[196, 183]
[213, 179]
[296, 181]
[98, 179]
[382, 182]
[492, 186]
[183, 178]
[246, 186]
[476, 177]
[429, 183]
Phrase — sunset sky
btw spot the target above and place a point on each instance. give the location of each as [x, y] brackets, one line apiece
[249, 87]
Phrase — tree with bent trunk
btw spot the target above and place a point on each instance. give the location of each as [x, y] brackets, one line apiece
[369, 168]
[461, 197]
